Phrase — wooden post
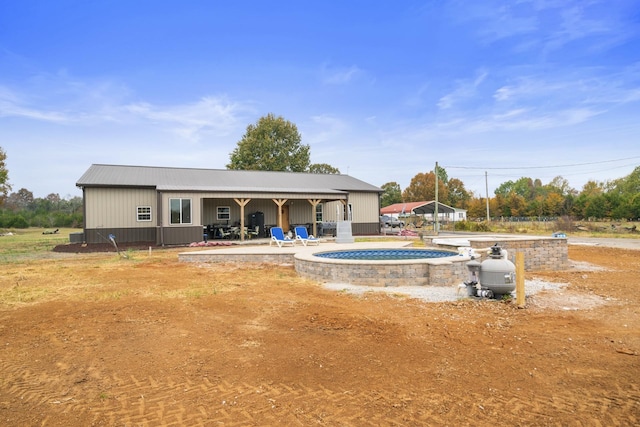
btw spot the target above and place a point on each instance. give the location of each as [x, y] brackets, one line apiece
[280, 203]
[242, 203]
[314, 203]
[520, 280]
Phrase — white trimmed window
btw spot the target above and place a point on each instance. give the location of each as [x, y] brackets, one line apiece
[143, 213]
[180, 211]
[319, 212]
[224, 213]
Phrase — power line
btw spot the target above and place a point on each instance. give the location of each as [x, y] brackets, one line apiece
[542, 167]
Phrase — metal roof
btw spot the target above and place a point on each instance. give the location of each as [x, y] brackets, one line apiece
[417, 208]
[186, 179]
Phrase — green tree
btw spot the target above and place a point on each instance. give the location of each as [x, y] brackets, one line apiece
[442, 174]
[392, 194]
[596, 207]
[459, 197]
[504, 189]
[4, 177]
[323, 168]
[561, 186]
[272, 144]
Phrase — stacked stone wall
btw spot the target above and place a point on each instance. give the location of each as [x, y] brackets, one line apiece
[540, 253]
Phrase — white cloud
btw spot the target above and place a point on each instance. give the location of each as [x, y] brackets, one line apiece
[465, 89]
[65, 101]
[546, 25]
[209, 114]
[13, 104]
[339, 76]
[323, 128]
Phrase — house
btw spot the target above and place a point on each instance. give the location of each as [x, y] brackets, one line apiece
[427, 209]
[171, 206]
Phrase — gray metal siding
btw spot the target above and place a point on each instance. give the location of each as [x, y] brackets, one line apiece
[365, 207]
[117, 207]
[365, 229]
[180, 235]
[123, 235]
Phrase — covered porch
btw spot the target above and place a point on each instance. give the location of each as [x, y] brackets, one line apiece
[224, 218]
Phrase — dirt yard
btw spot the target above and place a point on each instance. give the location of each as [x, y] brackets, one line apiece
[98, 340]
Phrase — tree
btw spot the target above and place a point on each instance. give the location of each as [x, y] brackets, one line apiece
[553, 205]
[422, 188]
[4, 177]
[596, 207]
[22, 200]
[476, 208]
[272, 144]
[458, 196]
[592, 188]
[392, 194]
[323, 168]
[561, 186]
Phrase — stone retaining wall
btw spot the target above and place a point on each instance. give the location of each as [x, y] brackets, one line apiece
[417, 273]
[540, 253]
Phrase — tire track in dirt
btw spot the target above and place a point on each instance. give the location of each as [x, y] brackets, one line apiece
[175, 401]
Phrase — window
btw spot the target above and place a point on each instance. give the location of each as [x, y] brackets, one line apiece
[144, 213]
[180, 211]
[224, 212]
[319, 212]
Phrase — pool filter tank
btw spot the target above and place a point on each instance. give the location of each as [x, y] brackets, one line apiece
[493, 277]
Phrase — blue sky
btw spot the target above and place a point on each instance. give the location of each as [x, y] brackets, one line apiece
[381, 90]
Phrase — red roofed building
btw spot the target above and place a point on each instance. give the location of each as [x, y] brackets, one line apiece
[445, 212]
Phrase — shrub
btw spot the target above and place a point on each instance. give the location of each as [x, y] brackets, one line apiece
[18, 221]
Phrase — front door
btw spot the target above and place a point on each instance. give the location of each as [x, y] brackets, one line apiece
[285, 218]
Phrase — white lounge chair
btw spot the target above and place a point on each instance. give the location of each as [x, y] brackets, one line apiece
[304, 237]
[277, 236]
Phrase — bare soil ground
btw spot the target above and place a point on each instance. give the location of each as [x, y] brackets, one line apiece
[95, 339]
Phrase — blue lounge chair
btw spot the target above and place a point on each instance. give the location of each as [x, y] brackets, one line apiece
[304, 237]
[277, 236]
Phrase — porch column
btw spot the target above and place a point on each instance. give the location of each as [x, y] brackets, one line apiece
[345, 211]
[280, 203]
[314, 203]
[242, 203]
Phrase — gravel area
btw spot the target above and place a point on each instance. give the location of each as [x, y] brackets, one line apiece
[448, 293]
[437, 293]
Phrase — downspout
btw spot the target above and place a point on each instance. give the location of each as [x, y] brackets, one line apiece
[159, 213]
[84, 216]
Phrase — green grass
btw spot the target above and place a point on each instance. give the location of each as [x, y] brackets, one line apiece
[30, 242]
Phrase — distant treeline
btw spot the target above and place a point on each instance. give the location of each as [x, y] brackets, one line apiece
[22, 210]
[526, 197]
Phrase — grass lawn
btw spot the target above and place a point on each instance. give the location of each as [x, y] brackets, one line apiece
[18, 244]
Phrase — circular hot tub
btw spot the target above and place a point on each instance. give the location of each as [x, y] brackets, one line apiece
[384, 267]
[385, 254]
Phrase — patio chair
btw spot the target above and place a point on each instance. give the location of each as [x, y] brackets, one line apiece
[225, 233]
[304, 237]
[277, 236]
[255, 232]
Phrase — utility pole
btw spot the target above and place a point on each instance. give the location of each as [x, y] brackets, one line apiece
[486, 185]
[435, 211]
